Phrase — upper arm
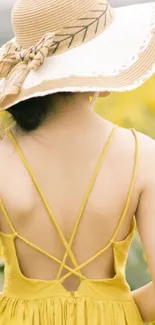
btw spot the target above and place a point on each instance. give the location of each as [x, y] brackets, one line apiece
[146, 209]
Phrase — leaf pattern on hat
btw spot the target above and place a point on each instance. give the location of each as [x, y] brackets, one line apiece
[82, 30]
[16, 62]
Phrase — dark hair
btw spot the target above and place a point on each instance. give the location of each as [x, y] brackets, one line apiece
[31, 113]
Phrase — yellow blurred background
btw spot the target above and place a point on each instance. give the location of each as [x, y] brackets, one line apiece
[134, 109]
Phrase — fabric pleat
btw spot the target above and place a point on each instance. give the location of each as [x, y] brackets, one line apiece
[68, 311]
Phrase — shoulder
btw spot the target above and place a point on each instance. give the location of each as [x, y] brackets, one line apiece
[146, 144]
[146, 154]
[146, 151]
[147, 158]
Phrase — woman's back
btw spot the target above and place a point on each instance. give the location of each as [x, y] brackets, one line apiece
[69, 193]
[64, 176]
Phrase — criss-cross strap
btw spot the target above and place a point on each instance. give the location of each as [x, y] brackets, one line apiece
[27, 166]
[35, 247]
[126, 207]
[68, 251]
[86, 197]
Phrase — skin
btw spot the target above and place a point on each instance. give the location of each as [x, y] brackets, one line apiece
[63, 153]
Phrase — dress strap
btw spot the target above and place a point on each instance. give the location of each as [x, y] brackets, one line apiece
[22, 156]
[68, 252]
[128, 199]
[86, 197]
[25, 162]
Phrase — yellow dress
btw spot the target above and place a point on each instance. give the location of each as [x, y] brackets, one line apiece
[96, 302]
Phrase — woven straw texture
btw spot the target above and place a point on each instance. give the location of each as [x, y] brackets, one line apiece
[82, 18]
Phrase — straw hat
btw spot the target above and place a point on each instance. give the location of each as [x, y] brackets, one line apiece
[76, 45]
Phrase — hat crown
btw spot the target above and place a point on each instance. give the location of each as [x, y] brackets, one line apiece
[33, 18]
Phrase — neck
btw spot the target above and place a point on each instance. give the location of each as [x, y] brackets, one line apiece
[70, 109]
[70, 112]
[68, 117]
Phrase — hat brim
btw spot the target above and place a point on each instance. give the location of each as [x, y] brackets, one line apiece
[120, 59]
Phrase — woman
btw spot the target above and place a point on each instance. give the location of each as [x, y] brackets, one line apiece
[71, 181]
